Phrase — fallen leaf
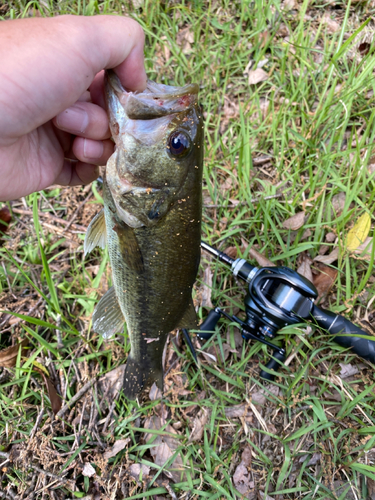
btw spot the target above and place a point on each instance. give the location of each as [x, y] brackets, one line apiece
[55, 399]
[111, 383]
[232, 252]
[246, 456]
[164, 447]
[207, 288]
[324, 281]
[185, 38]
[236, 411]
[331, 24]
[295, 222]
[348, 370]
[135, 471]
[336, 205]
[116, 448]
[261, 259]
[199, 422]
[155, 392]
[365, 249]
[288, 5]
[5, 219]
[305, 268]
[328, 259]
[88, 470]
[241, 479]
[359, 232]
[8, 357]
[371, 488]
[330, 237]
[257, 75]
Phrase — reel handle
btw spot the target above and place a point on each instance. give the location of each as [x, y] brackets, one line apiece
[278, 357]
[207, 328]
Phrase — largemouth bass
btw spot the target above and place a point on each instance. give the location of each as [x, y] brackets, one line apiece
[151, 221]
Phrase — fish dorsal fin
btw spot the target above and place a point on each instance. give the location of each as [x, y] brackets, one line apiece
[96, 235]
[189, 319]
[128, 246]
[108, 318]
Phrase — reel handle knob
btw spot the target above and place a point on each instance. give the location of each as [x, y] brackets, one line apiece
[274, 364]
[207, 328]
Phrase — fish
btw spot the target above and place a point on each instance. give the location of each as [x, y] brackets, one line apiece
[151, 222]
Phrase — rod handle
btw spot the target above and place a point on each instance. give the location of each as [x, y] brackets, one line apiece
[278, 358]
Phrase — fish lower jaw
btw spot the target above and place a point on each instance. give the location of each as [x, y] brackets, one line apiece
[128, 218]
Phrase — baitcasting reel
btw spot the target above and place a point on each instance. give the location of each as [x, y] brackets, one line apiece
[278, 297]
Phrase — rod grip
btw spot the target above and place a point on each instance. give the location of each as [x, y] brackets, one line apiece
[278, 358]
[336, 325]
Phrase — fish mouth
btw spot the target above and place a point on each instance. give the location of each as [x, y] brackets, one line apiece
[155, 101]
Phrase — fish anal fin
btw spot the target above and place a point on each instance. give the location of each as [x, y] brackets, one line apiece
[129, 247]
[189, 319]
[108, 318]
[96, 235]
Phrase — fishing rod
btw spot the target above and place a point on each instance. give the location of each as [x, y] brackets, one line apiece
[278, 297]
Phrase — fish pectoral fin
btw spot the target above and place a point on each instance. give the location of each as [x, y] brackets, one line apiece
[129, 247]
[108, 318]
[189, 319]
[96, 235]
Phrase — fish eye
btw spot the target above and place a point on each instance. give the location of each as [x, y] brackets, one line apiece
[179, 144]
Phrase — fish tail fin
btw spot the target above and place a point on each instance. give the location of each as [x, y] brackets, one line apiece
[136, 377]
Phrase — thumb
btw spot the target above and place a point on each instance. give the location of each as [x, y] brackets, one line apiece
[47, 63]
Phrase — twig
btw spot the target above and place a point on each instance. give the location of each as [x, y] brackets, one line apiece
[38, 420]
[72, 219]
[75, 398]
[49, 216]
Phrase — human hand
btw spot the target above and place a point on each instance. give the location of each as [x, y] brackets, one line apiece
[52, 130]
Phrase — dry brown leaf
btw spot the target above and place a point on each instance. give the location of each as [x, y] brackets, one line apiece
[185, 38]
[232, 252]
[336, 205]
[199, 422]
[305, 268]
[116, 448]
[364, 250]
[241, 479]
[371, 488]
[257, 75]
[135, 471]
[8, 357]
[332, 25]
[236, 411]
[155, 392]
[328, 259]
[295, 222]
[166, 447]
[289, 5]
[261, 259]
[330, 237]
[55, 399]
[348, 370]
[111, 383]
[324, 281]
[207, 288]
[88, 470]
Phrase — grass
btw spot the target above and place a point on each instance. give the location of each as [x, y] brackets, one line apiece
[311, 434]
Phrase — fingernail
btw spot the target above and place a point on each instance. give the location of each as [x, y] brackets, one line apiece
[73, 119]
[92, 149]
